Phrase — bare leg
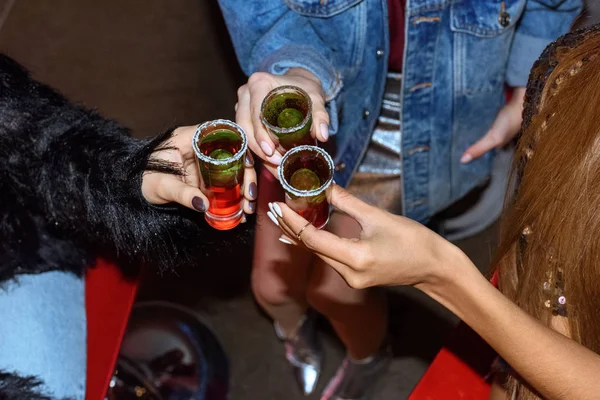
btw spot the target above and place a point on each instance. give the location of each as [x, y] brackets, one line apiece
[359, 317]
[279, 271]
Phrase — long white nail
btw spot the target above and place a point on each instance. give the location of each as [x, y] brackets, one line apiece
[467, 158]
[284, 240]
[325, 131]
[274, 159]
[266, 148]
[272, 217]
[277, 210]
[271, 208]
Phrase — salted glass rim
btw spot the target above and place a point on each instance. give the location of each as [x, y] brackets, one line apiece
[294, 128]
[305, 193]
[214, 123]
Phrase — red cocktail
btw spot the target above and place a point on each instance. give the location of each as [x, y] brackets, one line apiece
[306, 173]
[220, 147]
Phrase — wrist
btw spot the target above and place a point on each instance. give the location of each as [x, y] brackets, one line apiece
[303, 73]
[451, 278]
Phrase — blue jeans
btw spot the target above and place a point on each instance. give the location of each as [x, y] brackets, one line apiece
[43, 331]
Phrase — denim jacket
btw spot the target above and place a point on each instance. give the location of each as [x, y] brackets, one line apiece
[459, 54]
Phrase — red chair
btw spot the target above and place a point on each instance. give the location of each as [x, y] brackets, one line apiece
[109, 298]
[459, 370]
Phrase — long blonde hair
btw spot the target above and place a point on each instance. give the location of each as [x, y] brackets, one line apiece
[551, 228]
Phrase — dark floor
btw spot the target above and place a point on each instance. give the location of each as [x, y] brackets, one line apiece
[154, 63]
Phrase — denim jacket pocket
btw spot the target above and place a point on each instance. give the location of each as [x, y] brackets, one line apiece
[487, 18]
[321, 8]
[483, 32]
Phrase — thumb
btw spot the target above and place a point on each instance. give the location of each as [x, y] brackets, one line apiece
[347, 203]
[172, 189]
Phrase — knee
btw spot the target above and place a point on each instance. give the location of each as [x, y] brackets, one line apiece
[269, 290]
[329, 299]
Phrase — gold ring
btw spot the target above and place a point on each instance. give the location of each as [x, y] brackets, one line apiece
[302, 230]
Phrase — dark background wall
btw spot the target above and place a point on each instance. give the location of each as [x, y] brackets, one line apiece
[147, 63]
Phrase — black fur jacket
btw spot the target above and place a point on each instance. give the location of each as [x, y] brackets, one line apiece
[70, 193]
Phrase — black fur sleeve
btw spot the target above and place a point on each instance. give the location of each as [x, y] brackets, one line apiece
[70, 188]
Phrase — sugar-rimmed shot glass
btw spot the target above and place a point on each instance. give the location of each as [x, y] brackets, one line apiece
[306, 173]
[286, 112]
[220, 147]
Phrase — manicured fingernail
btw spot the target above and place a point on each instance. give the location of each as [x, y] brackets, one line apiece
[252, 207]
[243, 221]
[272, 218]
[277, 210]
[466, 158]
[284, 240]
[198, 204]
[271, 208]
[325, 131]
[274, 159]
[252, 190]
[266, 148]
[249, 159]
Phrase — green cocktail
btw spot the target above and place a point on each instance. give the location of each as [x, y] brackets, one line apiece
[286, 112]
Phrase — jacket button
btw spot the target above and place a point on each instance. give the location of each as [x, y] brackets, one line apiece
[366, 113]
[380, 53]
[504, 19]
[340, 166]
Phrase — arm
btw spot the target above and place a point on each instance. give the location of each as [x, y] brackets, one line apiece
[269, 37]
[556, 366]
[72, 180]
[393, 250]
[277, 46]
[543, 21]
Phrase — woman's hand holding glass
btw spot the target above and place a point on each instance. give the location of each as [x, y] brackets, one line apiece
[248, 111]
[391, 250]
[159, 188]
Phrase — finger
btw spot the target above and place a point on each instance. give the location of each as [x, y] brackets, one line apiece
[479, 148]
[291, 238]
[272, 169]
[243, 119]
[182, 139]
[249, 207]
[172, 189]
[347, 203]
[503, 130]
[250, 188]
[259, 86]
[320, 128]
[288, 240]
[341, 268]
[320, 241]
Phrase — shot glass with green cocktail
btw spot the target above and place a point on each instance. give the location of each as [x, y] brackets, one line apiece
[286, 112]
[220, 147]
